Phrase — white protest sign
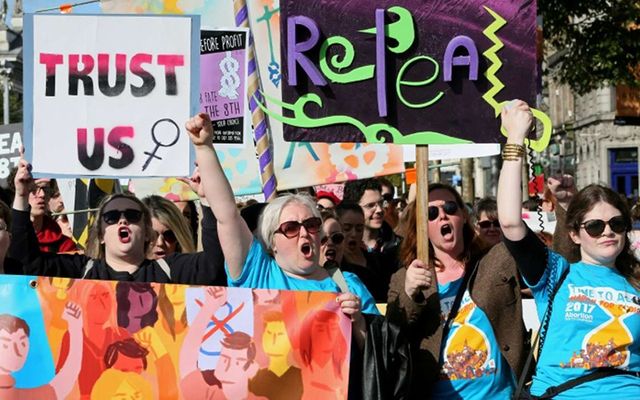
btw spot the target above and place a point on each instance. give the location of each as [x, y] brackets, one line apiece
[109, 95]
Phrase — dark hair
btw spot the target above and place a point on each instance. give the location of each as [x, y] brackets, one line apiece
[473, 245]
[354, 190]
[384, 182]
[122, 297]
[530, 205]
[347, 206]
[238, 341]
[487, 205]
[5, 214]
[328, 214]
[12, 323]
[584, 202]
[128, 347]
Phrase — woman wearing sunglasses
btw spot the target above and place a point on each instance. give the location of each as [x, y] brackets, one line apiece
[593, 320]
[120, 239]
[287, 253]
[173, 233]
[465, 321]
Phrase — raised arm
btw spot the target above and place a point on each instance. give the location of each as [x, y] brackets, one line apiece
[64, 380]
[235, 236]
[516, 119]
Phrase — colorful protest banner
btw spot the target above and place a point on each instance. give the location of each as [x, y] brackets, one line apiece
[406, 72]
[91, 339]
[129, 81]
[10, 142]
[305, 164]
[223, 73]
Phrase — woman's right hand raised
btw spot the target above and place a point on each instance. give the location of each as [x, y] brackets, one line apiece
[23, 180]
[200, 130]
[516, 120]
[418, 277]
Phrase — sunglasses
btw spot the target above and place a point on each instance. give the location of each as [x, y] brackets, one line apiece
[291, 229]
[595, 227]
[113, 216]
[336, 238]
[449, 207]
[168, 236]
[486, 224]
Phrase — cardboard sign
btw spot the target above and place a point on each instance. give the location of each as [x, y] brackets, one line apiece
[109, 95]
[168, 341]
[406, 72]
[10, 142]
[223, 75]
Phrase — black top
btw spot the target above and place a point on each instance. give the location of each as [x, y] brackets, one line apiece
[203, 268]
[530, 255]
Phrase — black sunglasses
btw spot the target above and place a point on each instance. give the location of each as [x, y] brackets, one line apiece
[449, 207]
[168, 236]
[336, 238]
[595, 227]
[291, 229]
[113, 216]
[486, 224]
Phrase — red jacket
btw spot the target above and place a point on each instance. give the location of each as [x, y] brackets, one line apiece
[51, 239]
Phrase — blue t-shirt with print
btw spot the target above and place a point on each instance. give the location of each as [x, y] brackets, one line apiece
[260, 271]
[594, 320]
[471, 364]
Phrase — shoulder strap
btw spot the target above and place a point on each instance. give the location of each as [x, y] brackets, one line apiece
[597, 373]
[88, 266]
[540, 336]
[335, 274]
[456, 302]
[164, 266]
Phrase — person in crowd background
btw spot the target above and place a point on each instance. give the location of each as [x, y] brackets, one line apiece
[8, 265]
[485, 216]
[388, 193]
[326, 200]
[465, 323]
[593, 319]
[173, 233]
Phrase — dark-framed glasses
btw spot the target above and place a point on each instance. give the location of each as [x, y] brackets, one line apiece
[168, 236]
[291, 229]
[486, 224]
[449, 207]
[113, 216]
[595, 227]
[336, 238]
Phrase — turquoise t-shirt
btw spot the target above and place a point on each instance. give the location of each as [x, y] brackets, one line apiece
[260, 271]
[595, 318]
[471, 364]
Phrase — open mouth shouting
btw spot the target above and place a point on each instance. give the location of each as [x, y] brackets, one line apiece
[330, 254]
[124, 234]
[306, 250]
[446, 230]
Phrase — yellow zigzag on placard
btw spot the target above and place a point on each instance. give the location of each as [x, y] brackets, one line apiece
[496, 64]
[497, 85]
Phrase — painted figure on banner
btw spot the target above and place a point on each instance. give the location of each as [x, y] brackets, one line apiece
[323, 350]
[236, 363]
[54, 293]
[116, 384]
[14, 337]
[172, 319]
[137, 305]
[100, 329]
[280, 380]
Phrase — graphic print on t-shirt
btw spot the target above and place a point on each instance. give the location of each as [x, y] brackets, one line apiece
[466, 355]
[607, 345]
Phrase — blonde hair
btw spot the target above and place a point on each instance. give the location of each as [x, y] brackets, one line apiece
[169, 215]
[111, 379]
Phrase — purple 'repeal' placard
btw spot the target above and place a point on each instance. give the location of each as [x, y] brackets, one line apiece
[439, 75]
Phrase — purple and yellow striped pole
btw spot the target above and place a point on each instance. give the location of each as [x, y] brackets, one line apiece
[260, 125]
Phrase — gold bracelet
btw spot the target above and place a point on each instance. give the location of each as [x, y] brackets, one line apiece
[513, 152]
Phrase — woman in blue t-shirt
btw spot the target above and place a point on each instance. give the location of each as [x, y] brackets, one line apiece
[286, 256]
[594, 316]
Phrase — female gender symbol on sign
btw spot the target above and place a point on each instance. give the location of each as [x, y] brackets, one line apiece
[160, 143]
